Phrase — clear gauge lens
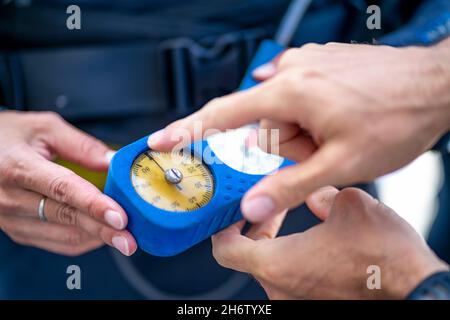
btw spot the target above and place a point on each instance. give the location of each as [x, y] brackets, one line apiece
[170, 185]
[239, 150]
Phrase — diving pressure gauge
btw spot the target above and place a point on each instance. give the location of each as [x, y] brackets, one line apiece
[171, 185]
[174, 201]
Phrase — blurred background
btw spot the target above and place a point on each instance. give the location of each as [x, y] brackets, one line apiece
[411, 191]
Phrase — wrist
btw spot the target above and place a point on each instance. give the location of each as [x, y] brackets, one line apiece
[410, 272]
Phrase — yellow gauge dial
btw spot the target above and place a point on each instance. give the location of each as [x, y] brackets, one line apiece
[172, 184]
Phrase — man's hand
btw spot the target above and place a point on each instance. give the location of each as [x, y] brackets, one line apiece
[330, 260]
[80, 218]
[347, 113]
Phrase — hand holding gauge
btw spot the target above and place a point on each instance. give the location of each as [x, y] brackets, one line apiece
[172, 206]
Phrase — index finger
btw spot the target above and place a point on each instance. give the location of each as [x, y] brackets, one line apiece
[228, 112]
[62, 185]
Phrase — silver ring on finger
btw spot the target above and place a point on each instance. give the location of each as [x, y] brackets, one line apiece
[41, 207]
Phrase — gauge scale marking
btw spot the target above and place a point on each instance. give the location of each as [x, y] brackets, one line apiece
[151, 173]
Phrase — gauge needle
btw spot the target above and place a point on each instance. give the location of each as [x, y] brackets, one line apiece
[162, 169]
[153, 159]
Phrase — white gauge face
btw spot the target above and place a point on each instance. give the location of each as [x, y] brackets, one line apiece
[239, 150]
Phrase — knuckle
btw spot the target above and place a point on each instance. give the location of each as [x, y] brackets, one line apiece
[104, 233]
[3, 206]
[214, 102]
[334, 45]
[218, 255]
[67, 215]
[219, 252]
[381, 207]
[88, 145]
[59, 187]
[299, 82]
[311, 46]
[302, 76]
[350, 196]
[308, 74]
[18, 239]
[93, 204]
[290, 83]
[7, 161]
[13, 169]
[210, 110]
[44, 121]
[288, 57]
[9, 227]
[51, 117]
[7, 206]
[75, 251]
[73, 238]
[30, 117]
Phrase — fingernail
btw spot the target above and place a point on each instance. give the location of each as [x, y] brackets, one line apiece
[321, 201]
[258, 209]
[323, 193]
[109, 155]
[121, 244]
[155, 138]
[265, 71]
[114, 219]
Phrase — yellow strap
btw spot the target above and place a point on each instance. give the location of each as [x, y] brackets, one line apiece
[98, 179]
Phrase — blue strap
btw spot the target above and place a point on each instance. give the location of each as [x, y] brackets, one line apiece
[426, 34]
[430, 25]
[435, 287]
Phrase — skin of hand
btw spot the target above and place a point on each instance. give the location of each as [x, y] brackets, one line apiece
[80, 217]
[330, 260]
[347, 113]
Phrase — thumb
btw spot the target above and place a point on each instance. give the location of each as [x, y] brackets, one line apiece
[233, 250]
[321, 202]
[74, 145]
[290, 186]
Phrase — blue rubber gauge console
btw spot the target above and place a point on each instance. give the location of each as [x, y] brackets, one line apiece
[172, 204]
